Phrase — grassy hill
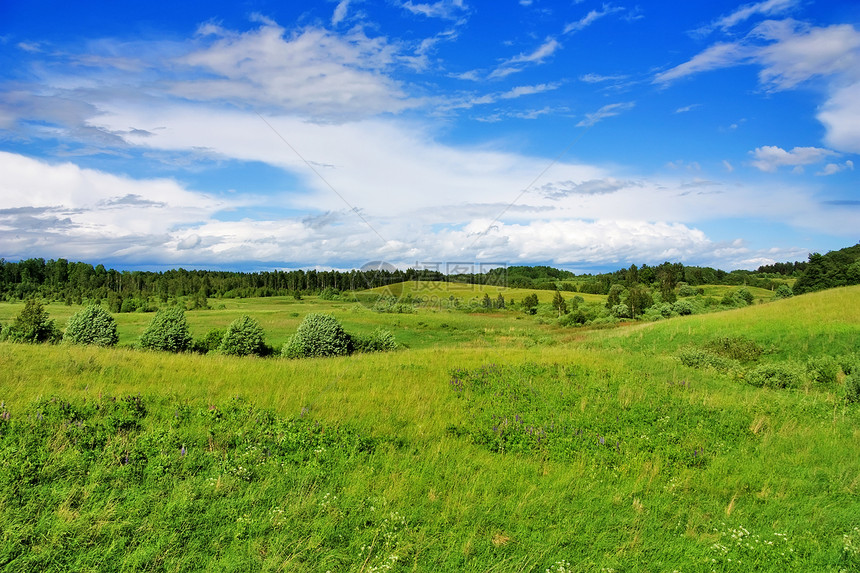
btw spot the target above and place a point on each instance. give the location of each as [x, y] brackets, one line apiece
[492, 443]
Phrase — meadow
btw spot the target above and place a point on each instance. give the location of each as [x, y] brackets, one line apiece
[490, 441]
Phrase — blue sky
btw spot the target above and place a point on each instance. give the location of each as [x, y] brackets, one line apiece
[585, 135]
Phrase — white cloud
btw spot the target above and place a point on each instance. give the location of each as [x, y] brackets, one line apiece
[799, 52]
[729, 167]
[841, 116]
[792, 53]
[591, 17]
[520, 91]
[597, 78]
[687, 108]
[446, 9]
[339, 12]
[721, 55]
[833, 168]
[312, 72]
[517, 63]
[769, 157]
[747, 11]
[609, 110]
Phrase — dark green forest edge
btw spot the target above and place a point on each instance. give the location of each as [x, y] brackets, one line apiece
[127, 291]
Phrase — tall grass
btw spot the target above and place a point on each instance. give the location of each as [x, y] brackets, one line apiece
[380, 462]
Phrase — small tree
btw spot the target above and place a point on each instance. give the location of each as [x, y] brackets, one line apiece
[168, 331]
[638, 299]
[559, 304]
[500, 301]
[530, 303]
[91, 325]
[32, 325]
[244, 337]
[614, 297]
[318, 335]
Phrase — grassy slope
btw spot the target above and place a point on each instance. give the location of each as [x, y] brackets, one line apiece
[781, 465]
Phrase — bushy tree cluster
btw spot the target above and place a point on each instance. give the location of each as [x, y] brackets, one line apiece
[318, 335]
[91, 325]
[167, 331]
[323, 335]
[244, 337]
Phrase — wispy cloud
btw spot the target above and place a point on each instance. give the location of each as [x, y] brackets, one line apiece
[446, 9]
[747, 11]
[688, 108]
[517, 63]
[591, 17]
[721, 55]
[597, 78]
[609, 110]
[339, 12]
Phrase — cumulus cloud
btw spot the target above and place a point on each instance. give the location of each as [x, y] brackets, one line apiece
[833, 168]
[840, 114]
[770, 157]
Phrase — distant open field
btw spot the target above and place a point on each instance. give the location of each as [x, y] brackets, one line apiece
[491, 441]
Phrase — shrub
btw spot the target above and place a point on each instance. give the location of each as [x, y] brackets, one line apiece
[823, 370]
[329, 293]
[380, 340]
[167, 331]
[784, 291]
[735, 347]
[32, 325]
[686, 290]
[91, 325]
[210, 342]
[695, 357]
[683, 307]
[317, 335]
[746, 296]
[852, 387]
[849, 363]
[778, 375]
[243, 337]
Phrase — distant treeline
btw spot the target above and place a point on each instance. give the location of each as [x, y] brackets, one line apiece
[131, 290]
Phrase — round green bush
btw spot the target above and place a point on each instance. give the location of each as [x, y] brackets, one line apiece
[167, 331]
[91, 325]
[317, 335]
[244, 337]
[380, 340]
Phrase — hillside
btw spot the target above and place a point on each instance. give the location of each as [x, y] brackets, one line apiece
[501, 444]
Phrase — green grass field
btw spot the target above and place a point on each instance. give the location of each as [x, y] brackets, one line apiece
[490, 442]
